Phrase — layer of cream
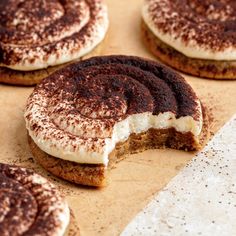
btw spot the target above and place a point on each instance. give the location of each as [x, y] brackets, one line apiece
[190, 49]
[64, 218]
[94, 150]
[36, 58]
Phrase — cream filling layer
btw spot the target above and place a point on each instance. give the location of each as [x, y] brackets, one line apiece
[64, 219]
[190, 49]
[64, 52]
[136, 123]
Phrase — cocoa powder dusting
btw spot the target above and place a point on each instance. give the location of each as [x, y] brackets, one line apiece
[96, 94]
[209, 23]
[33, 31]
[25, 199]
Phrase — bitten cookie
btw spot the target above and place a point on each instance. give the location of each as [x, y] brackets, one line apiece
[195, 37]
[36, 37]
[84, 118]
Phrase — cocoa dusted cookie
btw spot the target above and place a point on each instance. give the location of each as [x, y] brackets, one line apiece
[30, 205]
[38, 37]
[85, 117]
[197, 37]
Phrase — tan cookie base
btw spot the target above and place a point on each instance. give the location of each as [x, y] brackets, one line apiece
[26, 78]
[201, 68]
[96, 175]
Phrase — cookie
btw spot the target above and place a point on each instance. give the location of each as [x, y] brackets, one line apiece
[30, 205]
[85, 117]
[37, 37]
[195, 37]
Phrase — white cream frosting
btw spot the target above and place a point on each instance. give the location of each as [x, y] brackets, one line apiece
[190, 49]
[64, 51]
[64, 218]
[83, 151]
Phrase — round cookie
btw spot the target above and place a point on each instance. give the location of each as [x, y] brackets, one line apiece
[36, 38]
[197, 44]
[84, 118]
[30, 205]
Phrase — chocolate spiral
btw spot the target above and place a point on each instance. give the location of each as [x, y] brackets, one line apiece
[209, 23]
[29, 204]
[79, 105]
[42, 33]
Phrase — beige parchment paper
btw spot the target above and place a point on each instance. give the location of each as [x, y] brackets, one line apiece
[135, 180]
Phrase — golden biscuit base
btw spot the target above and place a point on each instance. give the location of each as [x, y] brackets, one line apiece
[96, 174]
[211, 69]
[25, 78]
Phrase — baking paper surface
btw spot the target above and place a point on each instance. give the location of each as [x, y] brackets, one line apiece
[137, 179]
[201, 200]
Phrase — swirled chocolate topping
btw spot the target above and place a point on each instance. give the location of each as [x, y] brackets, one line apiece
[29, 204]
[83, 104]
[117, 86]
[34, 35]
[208, 25]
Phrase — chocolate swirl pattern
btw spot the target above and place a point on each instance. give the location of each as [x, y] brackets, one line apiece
[35, 35]
[29, 204]
[203, 29]
[81, 112]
